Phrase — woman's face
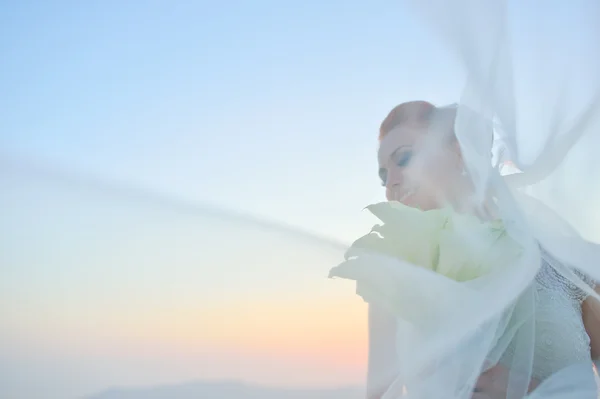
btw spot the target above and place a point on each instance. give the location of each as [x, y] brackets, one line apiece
[419, 167]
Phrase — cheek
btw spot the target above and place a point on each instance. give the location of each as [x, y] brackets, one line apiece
[436, 175]
[443, 173]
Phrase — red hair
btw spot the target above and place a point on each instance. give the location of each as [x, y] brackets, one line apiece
[412, 112]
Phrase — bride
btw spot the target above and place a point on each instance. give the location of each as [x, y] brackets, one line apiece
[421, 166]
[519, 326]
[528, 326]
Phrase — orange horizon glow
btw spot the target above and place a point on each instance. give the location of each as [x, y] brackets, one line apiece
[333, 332]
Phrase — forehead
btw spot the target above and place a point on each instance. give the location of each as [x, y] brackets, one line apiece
[396, 138]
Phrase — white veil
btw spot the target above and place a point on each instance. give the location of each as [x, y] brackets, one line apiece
[248, 295]
[121, 287]
[532, 84]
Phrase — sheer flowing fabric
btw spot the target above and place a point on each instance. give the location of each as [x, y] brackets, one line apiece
[531, 99]
[118, 286]
[256, 294]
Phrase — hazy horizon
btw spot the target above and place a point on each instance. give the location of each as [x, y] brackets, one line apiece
[267, 108]
[227, 390]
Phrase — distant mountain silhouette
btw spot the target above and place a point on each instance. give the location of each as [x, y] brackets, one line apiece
[227, 390]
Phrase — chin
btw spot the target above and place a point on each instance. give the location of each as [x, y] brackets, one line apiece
[413, 204]
[422, 205]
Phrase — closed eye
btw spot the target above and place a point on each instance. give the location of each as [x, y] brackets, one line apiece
[404, 158]
[401, 158]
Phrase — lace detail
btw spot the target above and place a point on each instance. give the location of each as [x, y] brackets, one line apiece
[551, 279]
[560, 336]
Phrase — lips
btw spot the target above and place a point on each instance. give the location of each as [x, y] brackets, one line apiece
[407, 197]
[413, 200]
[409, 201]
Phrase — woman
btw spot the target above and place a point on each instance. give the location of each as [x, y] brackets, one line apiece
[420, 165]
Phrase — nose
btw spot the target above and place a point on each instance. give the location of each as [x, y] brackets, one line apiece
[395, 177]
[394, 183]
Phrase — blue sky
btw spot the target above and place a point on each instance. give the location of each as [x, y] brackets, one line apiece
[265, 107]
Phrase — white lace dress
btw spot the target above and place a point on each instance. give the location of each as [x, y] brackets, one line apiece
[561, 338]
